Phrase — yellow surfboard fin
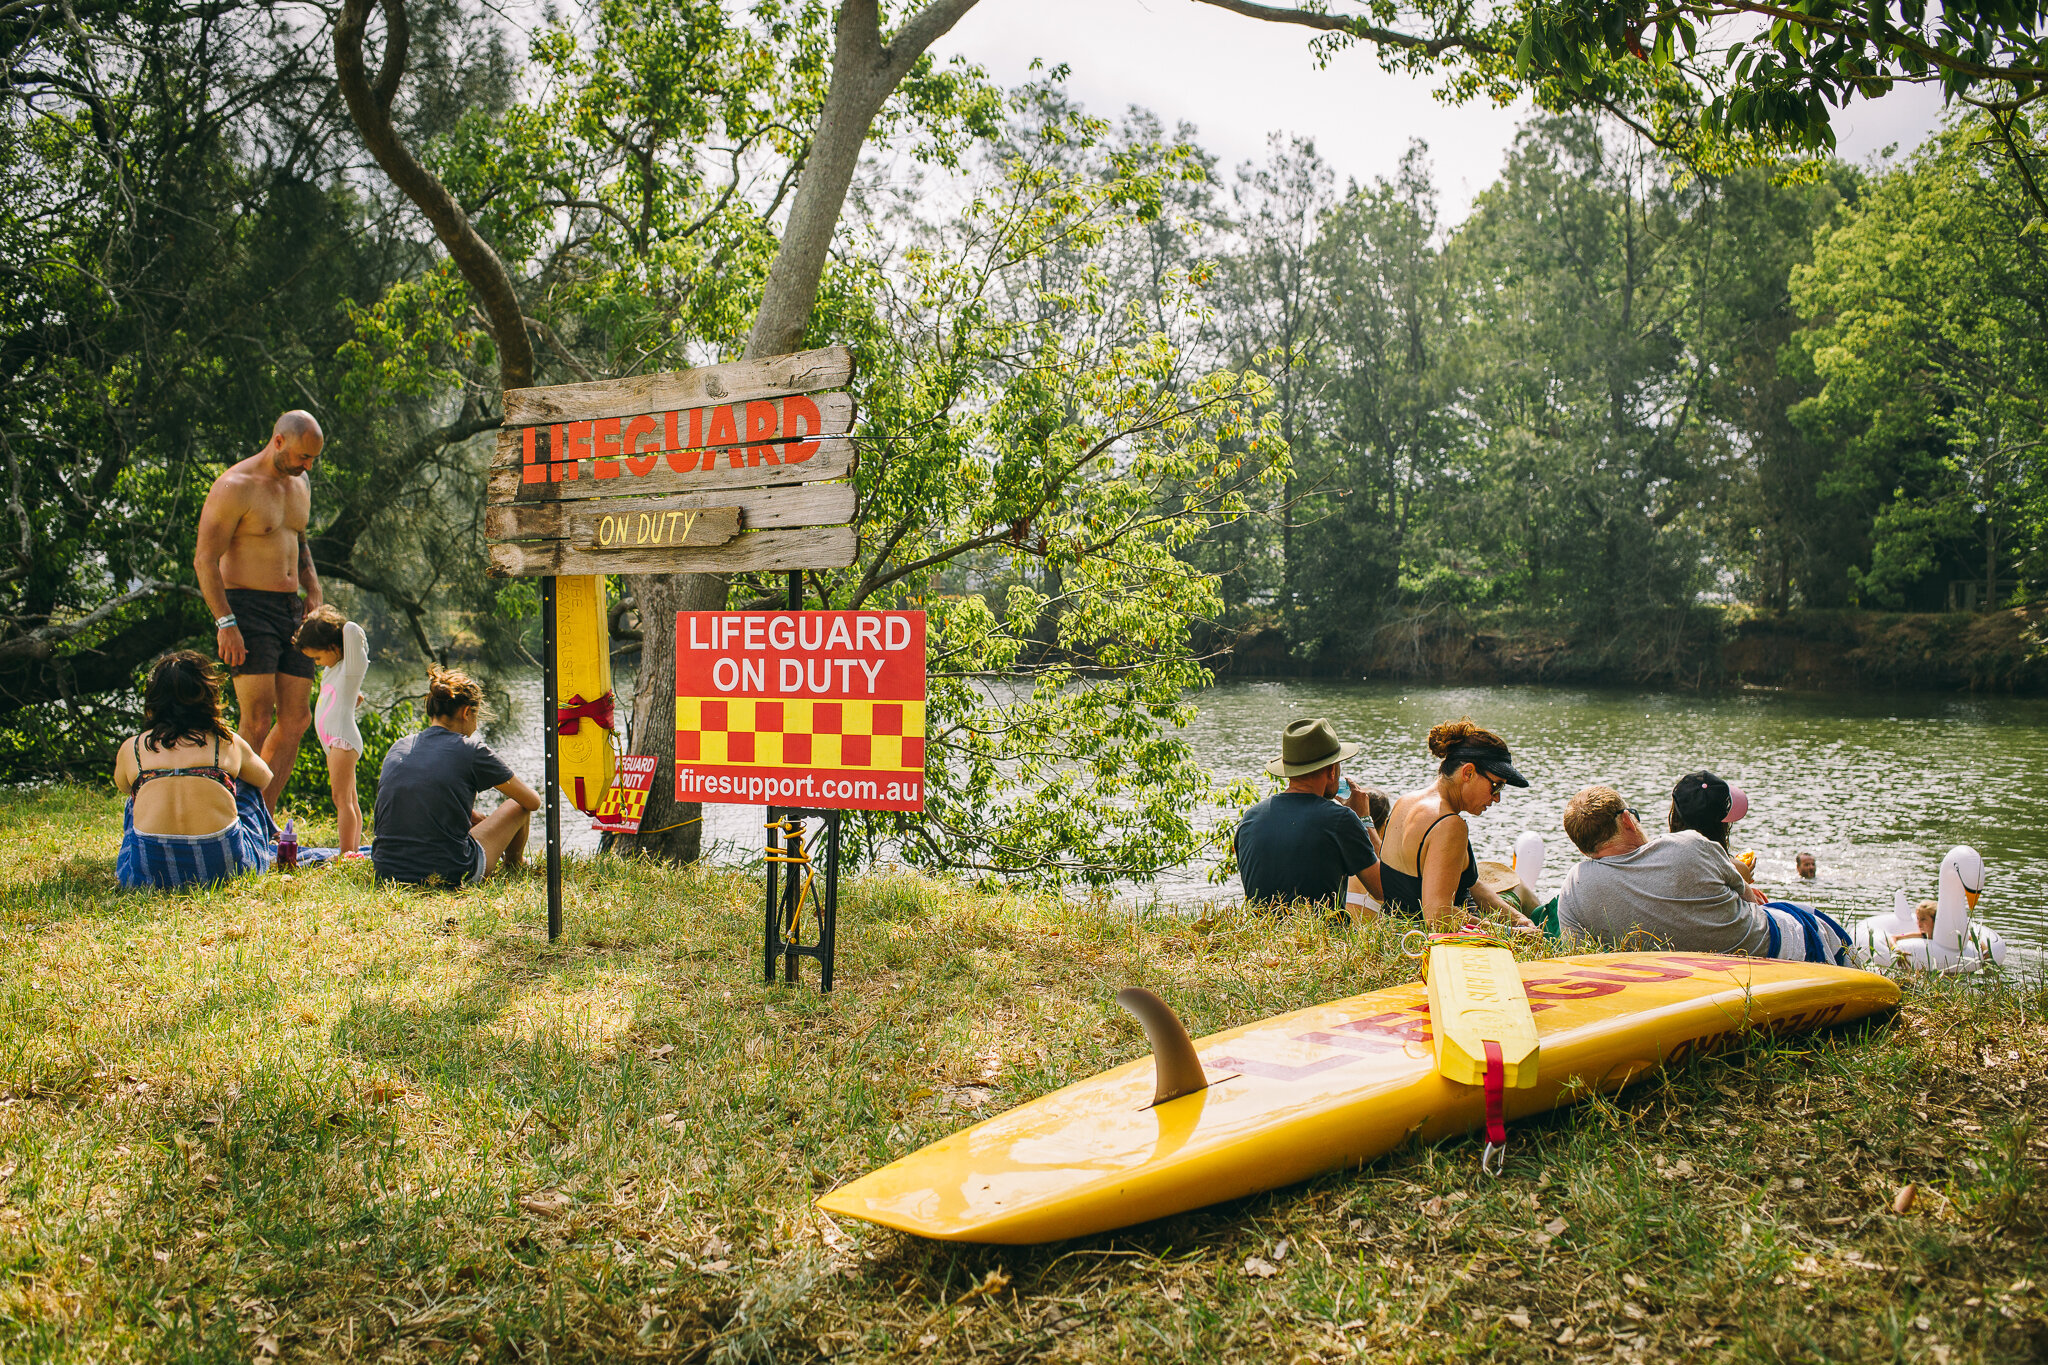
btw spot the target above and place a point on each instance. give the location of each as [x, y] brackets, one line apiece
[1476, 999]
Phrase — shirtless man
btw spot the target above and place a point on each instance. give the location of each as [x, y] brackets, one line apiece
[252, 560]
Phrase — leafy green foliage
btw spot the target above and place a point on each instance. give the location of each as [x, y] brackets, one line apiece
[1931, 345]
[1035, 459]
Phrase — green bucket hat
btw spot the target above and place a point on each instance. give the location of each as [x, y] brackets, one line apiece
[1309, 745]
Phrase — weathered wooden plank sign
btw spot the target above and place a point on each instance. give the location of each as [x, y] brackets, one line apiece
[722, 469]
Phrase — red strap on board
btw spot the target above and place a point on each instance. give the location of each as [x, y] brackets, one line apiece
[575, 711]
[1496, 1087]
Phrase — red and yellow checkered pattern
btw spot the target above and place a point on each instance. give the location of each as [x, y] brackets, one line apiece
[622, 805]
[885, 736]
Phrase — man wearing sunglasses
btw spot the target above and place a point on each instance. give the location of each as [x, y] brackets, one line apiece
[1679, 891]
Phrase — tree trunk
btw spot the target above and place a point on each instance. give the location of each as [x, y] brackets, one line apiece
[671, 830]
[864, 74]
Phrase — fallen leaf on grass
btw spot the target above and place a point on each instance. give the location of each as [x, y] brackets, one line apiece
[545, 1203]
[1434, 1208]
[995, 1282]
[1566, 1337]
[268, 1347]
[1555, 1227]
[923, 1092]
[1281, 1248]
[1172, 1293]
[384, 1092]
[1520, 1320]
[1260, 1267]
[662, 1053]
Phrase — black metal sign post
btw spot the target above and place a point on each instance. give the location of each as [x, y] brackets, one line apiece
[787, 896]
[789, 845]
[551, 743]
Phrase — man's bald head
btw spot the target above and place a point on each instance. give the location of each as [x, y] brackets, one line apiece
[295, 442]
[298, 425]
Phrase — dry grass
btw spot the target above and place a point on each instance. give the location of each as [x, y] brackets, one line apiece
[310, 1119]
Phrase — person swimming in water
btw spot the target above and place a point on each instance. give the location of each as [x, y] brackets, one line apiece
[1426, 862]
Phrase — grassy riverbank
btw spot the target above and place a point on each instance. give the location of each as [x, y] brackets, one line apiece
[310, 1119]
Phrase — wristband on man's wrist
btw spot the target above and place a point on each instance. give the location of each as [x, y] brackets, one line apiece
[223, 622]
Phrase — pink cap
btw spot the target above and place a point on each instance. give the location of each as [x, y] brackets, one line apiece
[1738, 803]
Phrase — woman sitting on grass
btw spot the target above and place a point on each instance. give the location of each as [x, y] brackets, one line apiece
[1443, 888]
[341, 649]
[427, 830]
[195, 811]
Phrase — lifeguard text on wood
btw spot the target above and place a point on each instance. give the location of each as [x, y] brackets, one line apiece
[722, 469]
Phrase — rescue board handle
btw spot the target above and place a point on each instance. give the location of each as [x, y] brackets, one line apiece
[1178, 1070]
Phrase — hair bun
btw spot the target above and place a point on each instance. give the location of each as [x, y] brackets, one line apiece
[1449, 735]
[450, 691]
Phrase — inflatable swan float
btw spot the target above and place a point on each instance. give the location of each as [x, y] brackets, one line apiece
[1956, 944]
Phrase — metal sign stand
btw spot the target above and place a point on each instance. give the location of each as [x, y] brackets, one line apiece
[789, 847]
[551, 743]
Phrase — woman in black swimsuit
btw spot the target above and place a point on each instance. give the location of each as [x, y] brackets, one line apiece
[1441, 883]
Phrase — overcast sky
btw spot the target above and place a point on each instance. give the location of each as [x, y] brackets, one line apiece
[1239, 79]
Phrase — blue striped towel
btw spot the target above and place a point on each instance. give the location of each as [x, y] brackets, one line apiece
[1802, 933]
[167, 861]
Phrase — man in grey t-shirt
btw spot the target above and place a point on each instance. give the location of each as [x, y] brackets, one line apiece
[1681, 889]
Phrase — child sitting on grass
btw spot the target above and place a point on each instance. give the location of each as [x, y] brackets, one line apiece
[341, 649]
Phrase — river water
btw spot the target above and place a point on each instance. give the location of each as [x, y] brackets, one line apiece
[1878, 788]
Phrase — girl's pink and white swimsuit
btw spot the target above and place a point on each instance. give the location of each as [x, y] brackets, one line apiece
[335, 717]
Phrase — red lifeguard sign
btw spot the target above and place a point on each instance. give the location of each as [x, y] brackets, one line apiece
[822, 710]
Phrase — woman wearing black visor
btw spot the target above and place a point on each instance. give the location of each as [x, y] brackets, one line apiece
[1441, 883]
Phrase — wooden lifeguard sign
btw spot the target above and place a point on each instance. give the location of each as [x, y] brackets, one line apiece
[724, 469]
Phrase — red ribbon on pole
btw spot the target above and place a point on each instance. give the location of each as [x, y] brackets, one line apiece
[576, 710]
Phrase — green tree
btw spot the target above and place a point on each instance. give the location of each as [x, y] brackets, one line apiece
[1930, 335]
[177, 249]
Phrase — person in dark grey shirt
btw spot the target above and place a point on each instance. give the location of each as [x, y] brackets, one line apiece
[1300, 844]
[426, 827]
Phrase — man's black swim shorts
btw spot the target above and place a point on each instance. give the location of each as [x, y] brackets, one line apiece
[268, 620]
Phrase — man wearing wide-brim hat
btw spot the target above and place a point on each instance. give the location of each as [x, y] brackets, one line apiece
[1299, 844]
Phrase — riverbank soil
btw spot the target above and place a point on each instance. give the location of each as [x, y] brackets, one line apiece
[309, 1119]
[1867, 651]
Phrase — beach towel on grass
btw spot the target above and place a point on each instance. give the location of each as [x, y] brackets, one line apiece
[164, 862]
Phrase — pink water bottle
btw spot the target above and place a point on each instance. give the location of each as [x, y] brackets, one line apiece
[288, 847]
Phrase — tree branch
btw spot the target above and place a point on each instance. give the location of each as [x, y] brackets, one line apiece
[370, 106]
[1356, 27]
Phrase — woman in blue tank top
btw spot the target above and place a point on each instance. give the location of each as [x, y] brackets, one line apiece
[1426, 860]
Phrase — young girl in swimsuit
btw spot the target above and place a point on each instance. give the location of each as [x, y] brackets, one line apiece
[341, 649]
[1440, 885]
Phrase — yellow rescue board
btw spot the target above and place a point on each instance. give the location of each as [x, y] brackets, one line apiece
[1475, 997]
[583, 674]
[1326, 1088]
